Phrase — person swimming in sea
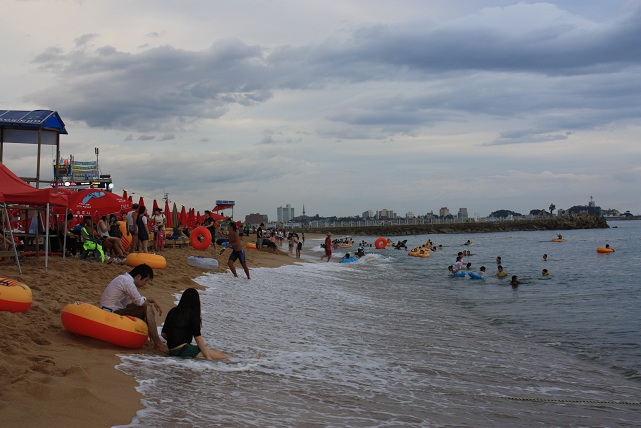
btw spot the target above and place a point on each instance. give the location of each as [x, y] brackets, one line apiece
[498, 260]
[515, 281]
[501, 273]
[545, 272]
[545, 257]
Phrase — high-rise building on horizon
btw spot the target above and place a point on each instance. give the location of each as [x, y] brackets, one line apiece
[462, 213]
[444, 212]
[385, 213]
[285, 214]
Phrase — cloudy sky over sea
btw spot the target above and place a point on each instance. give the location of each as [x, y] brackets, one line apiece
[342, 106]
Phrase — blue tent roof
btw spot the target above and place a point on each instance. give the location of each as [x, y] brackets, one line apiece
[32, 120]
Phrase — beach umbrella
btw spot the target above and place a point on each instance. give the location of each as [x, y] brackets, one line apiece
[167, 214]
[97, 203]
[154, 206]
[199, 218]
[191, 218]
[124, 194]
[141, 202]
[131, 199]
[183, 215]
[174, 216]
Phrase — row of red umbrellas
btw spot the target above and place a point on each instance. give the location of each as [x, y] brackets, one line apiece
[96, 203]
[183, 218]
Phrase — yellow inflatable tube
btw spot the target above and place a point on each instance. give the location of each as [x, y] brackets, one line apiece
[14, 296]
[88, 320]
[154, 261]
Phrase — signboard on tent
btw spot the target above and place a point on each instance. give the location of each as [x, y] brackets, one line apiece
[222, 204]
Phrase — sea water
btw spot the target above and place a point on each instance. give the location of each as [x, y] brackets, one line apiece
[392, 340]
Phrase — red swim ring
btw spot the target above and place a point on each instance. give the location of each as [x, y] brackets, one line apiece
[380, 243]
[200, 238]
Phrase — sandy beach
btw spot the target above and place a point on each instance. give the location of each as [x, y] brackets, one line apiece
[50, 377]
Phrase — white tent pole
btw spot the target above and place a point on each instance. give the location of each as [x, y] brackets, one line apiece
[47, 240]
[64, 240]
[13, 242]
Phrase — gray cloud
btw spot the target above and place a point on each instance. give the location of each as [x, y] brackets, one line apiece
[541, 63]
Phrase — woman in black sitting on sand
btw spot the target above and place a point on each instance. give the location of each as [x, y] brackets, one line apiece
[182, 324]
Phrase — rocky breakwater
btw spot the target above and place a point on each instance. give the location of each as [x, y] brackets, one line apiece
[568, 222]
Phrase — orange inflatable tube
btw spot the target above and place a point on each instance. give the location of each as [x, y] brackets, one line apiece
[380, 243]
[154, 261]
[88, 320]
[604, 250]
[14, 296]
[200, 238]
[126, 239]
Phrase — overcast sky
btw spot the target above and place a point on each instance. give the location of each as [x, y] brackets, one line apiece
[344, 106]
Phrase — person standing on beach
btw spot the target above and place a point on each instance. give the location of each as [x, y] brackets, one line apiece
[157, 219]
[132, 228]
[299, 247]
[237, 252]
[210, 224]
[328, 247]
[123, 298]
[143, 229]
[184, 323]
[259, 236]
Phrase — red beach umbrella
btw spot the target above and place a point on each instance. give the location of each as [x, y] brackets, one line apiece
[191, 218]
[167, 214]
[124, 194]
[155, 205]
[97, 203]
[141, 202]
[183, 215]
[199, 218]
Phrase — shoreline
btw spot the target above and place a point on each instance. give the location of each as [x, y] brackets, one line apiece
[49, 377]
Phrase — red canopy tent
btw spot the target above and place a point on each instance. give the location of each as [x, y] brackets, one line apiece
[96, 203]
[13, 190]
